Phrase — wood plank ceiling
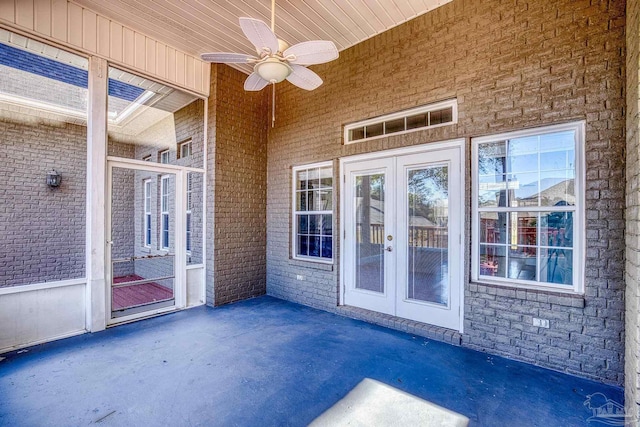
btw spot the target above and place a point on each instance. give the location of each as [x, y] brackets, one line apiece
[200, 26]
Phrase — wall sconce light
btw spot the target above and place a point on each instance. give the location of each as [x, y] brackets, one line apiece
[53, 179]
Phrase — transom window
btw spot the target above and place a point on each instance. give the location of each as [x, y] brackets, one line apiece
[423, 117]
[313, 212]
[528, 202]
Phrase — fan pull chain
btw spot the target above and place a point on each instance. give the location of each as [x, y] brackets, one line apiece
[273, 106]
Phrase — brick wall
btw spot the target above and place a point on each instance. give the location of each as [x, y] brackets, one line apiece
[189, 125]
[238, 140]
[511, 65]
[122, 214]
[42, 230]
[632, 268]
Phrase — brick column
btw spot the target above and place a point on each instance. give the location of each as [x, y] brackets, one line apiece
[632, 267]
[240, 174]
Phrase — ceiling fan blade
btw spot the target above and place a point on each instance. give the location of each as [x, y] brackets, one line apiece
[227, 57]
[259, 34]
[304, 78]
[312, 52]
[254, 82]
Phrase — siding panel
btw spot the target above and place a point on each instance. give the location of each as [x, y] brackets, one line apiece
[42, 16]
[161, 60]
[150, 62]
[104, 35]
[115, 42]
[59, 20]
[140, 45]
[180, 68]
[190, 73]
[198, 76]
[128, 46]
[171, 64]
[89, 31]
[75, 29]
[8, 10]
[24, 14]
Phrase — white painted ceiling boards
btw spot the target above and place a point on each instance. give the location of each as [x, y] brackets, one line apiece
[201, 26]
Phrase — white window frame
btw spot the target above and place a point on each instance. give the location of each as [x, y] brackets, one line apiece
[164, 157]
[147, 213]
[164, 212]
[188, 222]
[181, 148]
[578, 211]
[381, 120]
[295, 213]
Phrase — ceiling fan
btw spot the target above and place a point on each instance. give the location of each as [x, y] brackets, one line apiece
[276, 61]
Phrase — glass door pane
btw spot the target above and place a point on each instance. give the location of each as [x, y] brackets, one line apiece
[370, 207]
[143, 241]
[428, 224]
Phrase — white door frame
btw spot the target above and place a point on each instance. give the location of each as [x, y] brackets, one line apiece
[180, 262]
[460, 199]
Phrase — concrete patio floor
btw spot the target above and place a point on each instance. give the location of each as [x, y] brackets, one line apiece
[267, 362]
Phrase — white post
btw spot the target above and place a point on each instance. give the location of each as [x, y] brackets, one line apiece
[180, 261]
[96, 319]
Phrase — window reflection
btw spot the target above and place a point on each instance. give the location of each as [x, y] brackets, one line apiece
[428, 234]
[536, 240]
[370, 206]
[526, 201]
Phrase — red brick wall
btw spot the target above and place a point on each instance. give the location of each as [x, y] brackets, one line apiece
[511, 65]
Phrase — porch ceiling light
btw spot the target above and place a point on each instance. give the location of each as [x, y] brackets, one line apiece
[53, 179]
[273, 70]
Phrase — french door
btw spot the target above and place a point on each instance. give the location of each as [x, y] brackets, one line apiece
[146, 253]
[402, 233]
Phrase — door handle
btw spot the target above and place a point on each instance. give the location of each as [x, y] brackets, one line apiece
[389, 249]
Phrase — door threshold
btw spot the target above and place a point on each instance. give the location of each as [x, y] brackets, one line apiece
[117, 321]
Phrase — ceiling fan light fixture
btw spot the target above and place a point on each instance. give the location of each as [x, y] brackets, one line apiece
[273, 70]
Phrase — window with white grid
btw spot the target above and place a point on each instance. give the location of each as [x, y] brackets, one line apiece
[313, 212]
[528, 202]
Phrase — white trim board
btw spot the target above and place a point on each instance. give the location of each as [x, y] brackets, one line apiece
[43, 285]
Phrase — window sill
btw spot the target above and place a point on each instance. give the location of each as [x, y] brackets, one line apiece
[550, 296]
[311, 264]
